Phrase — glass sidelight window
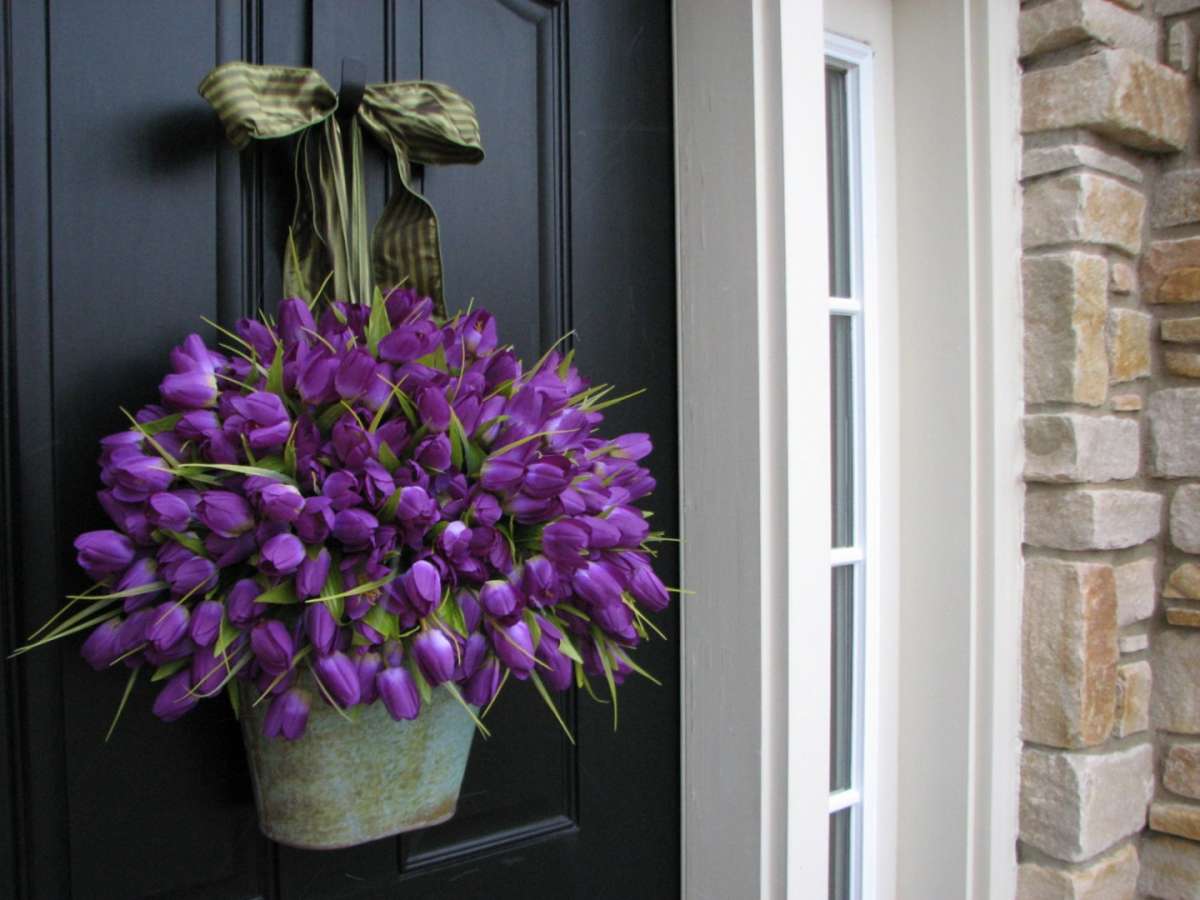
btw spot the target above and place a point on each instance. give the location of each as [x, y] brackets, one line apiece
[851, 595]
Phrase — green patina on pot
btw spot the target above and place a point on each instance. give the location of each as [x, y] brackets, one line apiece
[346, 783]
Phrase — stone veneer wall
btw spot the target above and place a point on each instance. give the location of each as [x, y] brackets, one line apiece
[1110, 774]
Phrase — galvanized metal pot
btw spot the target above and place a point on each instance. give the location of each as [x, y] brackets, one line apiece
[346, 783]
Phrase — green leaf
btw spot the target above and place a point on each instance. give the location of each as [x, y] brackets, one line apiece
[124, 699]
[329, 417]
[289, 453]
[239, 470]
[72, 625]
[227, 635]
[388, 513]
[449, 686]
[565, 366]
[535, 630]
[568, 649]
[378, 325]
[613, 402]
[331, 593]
[620, 654]
[166, 670]
[422, 685]
[235, 699]
[435, 360]
[390, 461]
[150, 588]
[602, 652]
[282, 594]
[456, 441]
[541, 689]
[360, 588]
[166, 423]
[451, 614]
[188, 540]
[275, 373]
[384, 622]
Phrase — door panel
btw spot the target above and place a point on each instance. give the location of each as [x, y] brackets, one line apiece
[126, 218]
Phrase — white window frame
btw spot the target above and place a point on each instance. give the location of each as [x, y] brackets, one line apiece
[856, 60]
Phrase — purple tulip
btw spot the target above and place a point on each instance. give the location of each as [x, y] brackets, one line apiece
[141, 572]
[415, 504]
[602, 534]
[514, 646]
[355, 374]
[205, 624]
[208, 671]
[563, 543]
[136, 476]
[632, 525]
[435, 655]
[557, 670]
[312, 574]
[226, 552]
[434, 410]
[434, 453]
[501, 474]
[316, 521]
[272, 645]
[259, 337]
[240, 605]
[294, 320]
[195, 575]
[595, 584]
[632, 446]
[287, 715]
[189, 390]
[175, 700]
[354, 528]
[225, 513]
[282, 555]
[423, 587]
[499, 598]
[102, 646]
[455, 541]
[547, 477]
[367, 666]
[648, 588]
[471, 610]
[132, 632]
[339, 676]
[103, 553]
[473, 653]
[398, 693]
[481, 687]
[617, 620]
[539, 581]
[169, 511]
[168, 626]
[321, 627]
[315, 383]
[280, 502]
[408, 342]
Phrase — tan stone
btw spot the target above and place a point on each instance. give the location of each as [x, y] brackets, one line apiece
[1181, 819]
[1128, 344]
[1181, 770]
[1174, 416]
[1073, 448]
[1185, 518]
[1174, 7]
[1112, 876]
[1121, 278]
[1170, 868]
[1037, 161]
[1183, 363]
[1170, 271]
[1066, 359]
[1133, 643]
[1117, 93]
[1083, 208]
[1176, 698]
[1126, 402]
[1176, 198]
[1181, 331]
[1091, 519]
[1062, 23]
[1181, 46]
[1134, 682]
[1069, 670]
[1183, 616]
[1136, 592]
[1076, 805]
[1184, 583]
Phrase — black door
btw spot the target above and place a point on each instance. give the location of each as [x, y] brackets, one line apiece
[126, 218]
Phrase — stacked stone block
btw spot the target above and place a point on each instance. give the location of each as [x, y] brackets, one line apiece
[1110, 774]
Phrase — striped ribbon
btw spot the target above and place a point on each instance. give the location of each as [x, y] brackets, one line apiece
[416, 121]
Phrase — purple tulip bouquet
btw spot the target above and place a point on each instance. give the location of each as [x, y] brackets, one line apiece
[388, 501]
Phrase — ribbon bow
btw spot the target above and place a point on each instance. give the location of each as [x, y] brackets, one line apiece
[416, 121]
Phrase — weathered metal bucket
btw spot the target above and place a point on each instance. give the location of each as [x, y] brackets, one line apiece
[345, 783]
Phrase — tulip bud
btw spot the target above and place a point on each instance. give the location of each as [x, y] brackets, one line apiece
[166, 510]
[339, 676]
[514, 646]
[546, 477]
[434, 453]
[616, 619]
[102, 646]
[434, 410]
[435, 655]
[140, 573]
[225, 513]
[559, 672]
[189, 390]
[194, 575]
[280, 502]
[103, 553]
[472, 656]
[316, 520]
[167, 626]
[240, 605]
[398, 693]
[648, 588]
[205, 622]
[311, 576]
[455, 541]
[355, 374]
[596, 584]
[273, 646]
[483, 685]
[355, 528]
[499, 598]
[208, 671]
[174, 700]
[281, 555]
[501, 474]
[632, 525]
[423, 587]
[366, 667]
[321, 627]
[563, 543]
[288, 714]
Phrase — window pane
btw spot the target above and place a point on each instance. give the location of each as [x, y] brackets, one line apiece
[837, 162]
[839, 854]
[841, 717]
[841, 356]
